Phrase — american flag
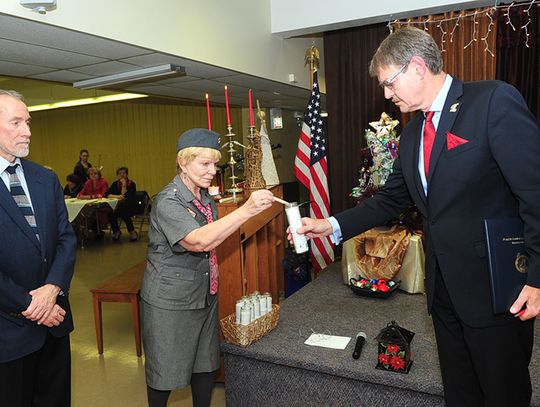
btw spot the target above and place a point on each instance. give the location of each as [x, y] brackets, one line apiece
[311, 169]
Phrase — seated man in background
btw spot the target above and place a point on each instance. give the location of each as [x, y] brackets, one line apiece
[73, 186]
[124, 190]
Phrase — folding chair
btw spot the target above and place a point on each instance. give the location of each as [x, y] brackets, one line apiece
[142, 213]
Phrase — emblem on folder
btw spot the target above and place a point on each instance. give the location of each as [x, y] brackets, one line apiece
[453, 108]
[522, 262]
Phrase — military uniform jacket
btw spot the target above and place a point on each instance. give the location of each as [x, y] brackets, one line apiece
[175, 278]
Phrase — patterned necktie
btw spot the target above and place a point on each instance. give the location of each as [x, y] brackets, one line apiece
[22, 201]
[214, 272]
[429, 138]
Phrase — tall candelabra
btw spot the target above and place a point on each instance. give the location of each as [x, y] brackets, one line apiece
[234, 189]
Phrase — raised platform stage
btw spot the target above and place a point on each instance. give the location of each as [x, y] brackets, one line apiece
[280, 370]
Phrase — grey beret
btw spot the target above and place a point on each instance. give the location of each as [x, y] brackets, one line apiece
[198, 138]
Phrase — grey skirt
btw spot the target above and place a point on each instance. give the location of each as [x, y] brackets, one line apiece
[179, 343]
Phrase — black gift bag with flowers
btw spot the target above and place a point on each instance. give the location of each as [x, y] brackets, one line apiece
[394, 347]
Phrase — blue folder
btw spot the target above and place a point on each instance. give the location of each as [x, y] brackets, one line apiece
[508, 261]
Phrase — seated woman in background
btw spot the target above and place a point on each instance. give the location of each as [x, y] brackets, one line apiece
[124, 190]
[82, 166]
[73, 186]
[95, 187]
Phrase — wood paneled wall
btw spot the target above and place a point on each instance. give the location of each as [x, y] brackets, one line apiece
[139, 135]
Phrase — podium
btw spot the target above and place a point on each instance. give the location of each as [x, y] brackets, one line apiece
[252, 257]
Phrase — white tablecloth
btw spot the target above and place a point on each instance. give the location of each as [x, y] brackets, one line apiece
[412, 271]
[74, 205]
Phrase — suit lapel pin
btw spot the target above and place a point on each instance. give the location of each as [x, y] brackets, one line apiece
[453, 108]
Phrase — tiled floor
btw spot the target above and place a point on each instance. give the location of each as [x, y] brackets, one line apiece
[115, 378]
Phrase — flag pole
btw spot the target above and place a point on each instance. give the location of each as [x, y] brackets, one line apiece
[312, 59]
[310, 165]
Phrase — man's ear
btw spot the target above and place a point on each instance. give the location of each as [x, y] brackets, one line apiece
[419, 65]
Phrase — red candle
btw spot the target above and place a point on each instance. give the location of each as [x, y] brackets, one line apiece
[251, 121]
[227, 106]
[208, 112]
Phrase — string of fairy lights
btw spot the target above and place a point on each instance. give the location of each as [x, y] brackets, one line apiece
[475, 15]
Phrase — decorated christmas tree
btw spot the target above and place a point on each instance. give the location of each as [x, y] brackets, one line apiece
[377, 158]
[377, 161]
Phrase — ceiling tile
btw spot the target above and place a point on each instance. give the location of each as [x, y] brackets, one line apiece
[204, 86]
[32, 32]
[178, 81]
[42, 56]
[15, 69]
[105, 68]
[61, 76]
[154, 58]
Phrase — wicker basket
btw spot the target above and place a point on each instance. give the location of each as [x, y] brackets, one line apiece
[245, 335]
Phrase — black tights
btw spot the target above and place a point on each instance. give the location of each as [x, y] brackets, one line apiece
[157, 398]
[202, 385]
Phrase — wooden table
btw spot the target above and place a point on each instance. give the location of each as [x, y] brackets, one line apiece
[124, 287]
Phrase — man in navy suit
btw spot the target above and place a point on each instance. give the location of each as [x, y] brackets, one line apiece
[471, 153]
[37, 257]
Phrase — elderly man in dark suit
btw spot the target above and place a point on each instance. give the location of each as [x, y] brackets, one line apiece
[472, 153]
[37, 257]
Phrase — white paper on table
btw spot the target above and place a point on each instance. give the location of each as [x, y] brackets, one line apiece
[328, 341]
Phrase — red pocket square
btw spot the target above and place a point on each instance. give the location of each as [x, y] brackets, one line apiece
[453, 141]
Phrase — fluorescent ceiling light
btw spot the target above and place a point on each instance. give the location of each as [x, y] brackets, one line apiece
[86, 101]
[138, 75]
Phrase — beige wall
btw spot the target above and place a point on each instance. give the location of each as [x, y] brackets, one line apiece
[139, 135]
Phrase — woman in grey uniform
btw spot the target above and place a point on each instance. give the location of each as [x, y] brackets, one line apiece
[179, 289]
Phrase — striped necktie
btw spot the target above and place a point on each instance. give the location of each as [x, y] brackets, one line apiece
[22, 201]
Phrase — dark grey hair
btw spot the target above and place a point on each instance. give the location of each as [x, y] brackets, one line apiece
[402, 45]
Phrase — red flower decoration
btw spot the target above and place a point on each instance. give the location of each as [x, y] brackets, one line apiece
[384, 359]
[397, 363]
[392, 349]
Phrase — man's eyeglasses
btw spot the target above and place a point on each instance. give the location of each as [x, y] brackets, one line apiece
[389, 83]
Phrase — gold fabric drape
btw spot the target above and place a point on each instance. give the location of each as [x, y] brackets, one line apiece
[379, 254]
